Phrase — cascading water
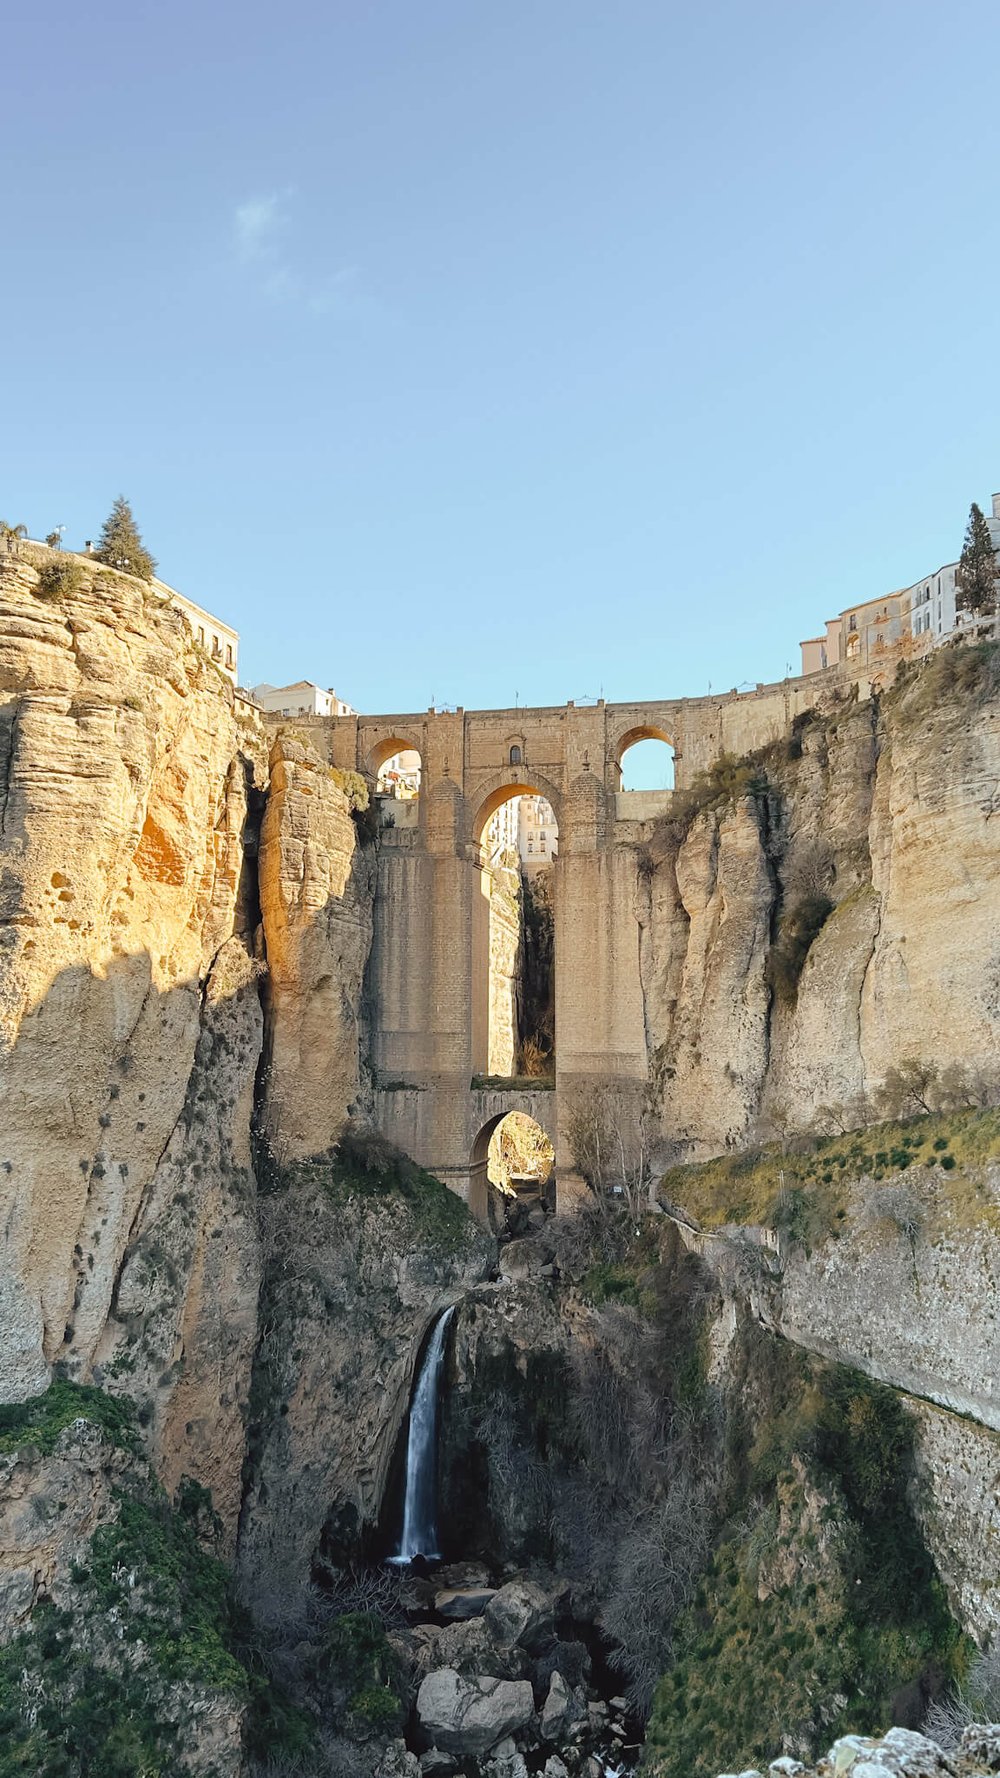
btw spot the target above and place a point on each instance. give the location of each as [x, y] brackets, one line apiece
[419, 1535]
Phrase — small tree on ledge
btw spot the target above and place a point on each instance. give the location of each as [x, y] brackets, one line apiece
[976, 575]
[120, 544]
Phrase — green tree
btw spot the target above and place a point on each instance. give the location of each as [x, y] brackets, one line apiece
[976, 576]
[11, 535]
[120, 544]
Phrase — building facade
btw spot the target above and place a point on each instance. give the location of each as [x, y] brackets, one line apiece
[537, 833]
[919, 615]
[220, 641]
[301, 699]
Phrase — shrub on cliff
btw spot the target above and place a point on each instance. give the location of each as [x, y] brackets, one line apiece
[359, 1663]
[820, 1609]
[799, 925]
[104, 1682]
[726, 781]
[120, 544]
[354, 788]
[59, 580]
[39, 1422]
[367, 1165]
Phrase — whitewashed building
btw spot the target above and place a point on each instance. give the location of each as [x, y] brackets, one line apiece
[301, 699]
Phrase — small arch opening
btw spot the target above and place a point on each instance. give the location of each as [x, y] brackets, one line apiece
[514, 1155]
[399, 776]
[646, 761]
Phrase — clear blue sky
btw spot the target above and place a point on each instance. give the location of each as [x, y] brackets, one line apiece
[472, 350]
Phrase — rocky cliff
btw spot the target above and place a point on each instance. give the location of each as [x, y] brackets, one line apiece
[680, 1425]
[816, 915]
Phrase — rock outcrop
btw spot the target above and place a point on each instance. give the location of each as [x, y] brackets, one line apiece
[127, 779]
[830, 910]
[316, 894]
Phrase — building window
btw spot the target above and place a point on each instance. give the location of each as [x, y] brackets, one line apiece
[201, 634]
[229, 654]
[852, 623]
[515, 756]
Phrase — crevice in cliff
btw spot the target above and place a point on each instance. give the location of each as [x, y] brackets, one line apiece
[879, 752]
[7, 763]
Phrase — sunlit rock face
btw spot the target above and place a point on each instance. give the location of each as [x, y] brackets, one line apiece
[884, 811]
[127, 789]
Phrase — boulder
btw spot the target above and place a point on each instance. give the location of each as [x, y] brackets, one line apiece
[470, 1715]
[981, 1742]
[506, 1765]
[467, 1646]
[558, 1707]
[435, 1764]
[462, 1602]
[397, 1762]
[554, 1768]
[525, 1258]
[463, 1574]
[521, 1612]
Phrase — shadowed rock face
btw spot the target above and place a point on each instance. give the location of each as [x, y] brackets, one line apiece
[317, 888]
[351, 1287]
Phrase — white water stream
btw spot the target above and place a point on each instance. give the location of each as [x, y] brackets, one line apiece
[420, 1535]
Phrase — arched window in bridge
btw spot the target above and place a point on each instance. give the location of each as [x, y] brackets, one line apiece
[515, 756]
[646, 762]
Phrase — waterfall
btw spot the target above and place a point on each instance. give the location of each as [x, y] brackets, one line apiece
[420, 1535]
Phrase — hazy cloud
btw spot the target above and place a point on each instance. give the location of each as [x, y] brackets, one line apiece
[262, 240]
[257, 223]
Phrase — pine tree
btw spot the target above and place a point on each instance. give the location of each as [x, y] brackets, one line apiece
[976, 575]
[120, 544]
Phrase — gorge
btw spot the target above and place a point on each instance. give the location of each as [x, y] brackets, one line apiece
[717, 1447]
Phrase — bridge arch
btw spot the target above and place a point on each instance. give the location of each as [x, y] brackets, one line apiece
[635, 737]
[518, 781]
[479, 1160]
[387, 748]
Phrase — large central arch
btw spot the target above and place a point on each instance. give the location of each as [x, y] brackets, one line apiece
[518, 781]
[491, 796]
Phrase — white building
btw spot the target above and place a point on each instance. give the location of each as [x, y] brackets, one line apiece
[864, 631]
[537, 833]
[501, 830]
[301, 699]
[218, 640]
[525, 825]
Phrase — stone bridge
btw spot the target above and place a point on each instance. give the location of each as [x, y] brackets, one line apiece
[430, 961]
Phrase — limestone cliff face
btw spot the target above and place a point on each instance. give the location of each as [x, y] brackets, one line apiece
[883, 809]
[126, 776]
[317, 888]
